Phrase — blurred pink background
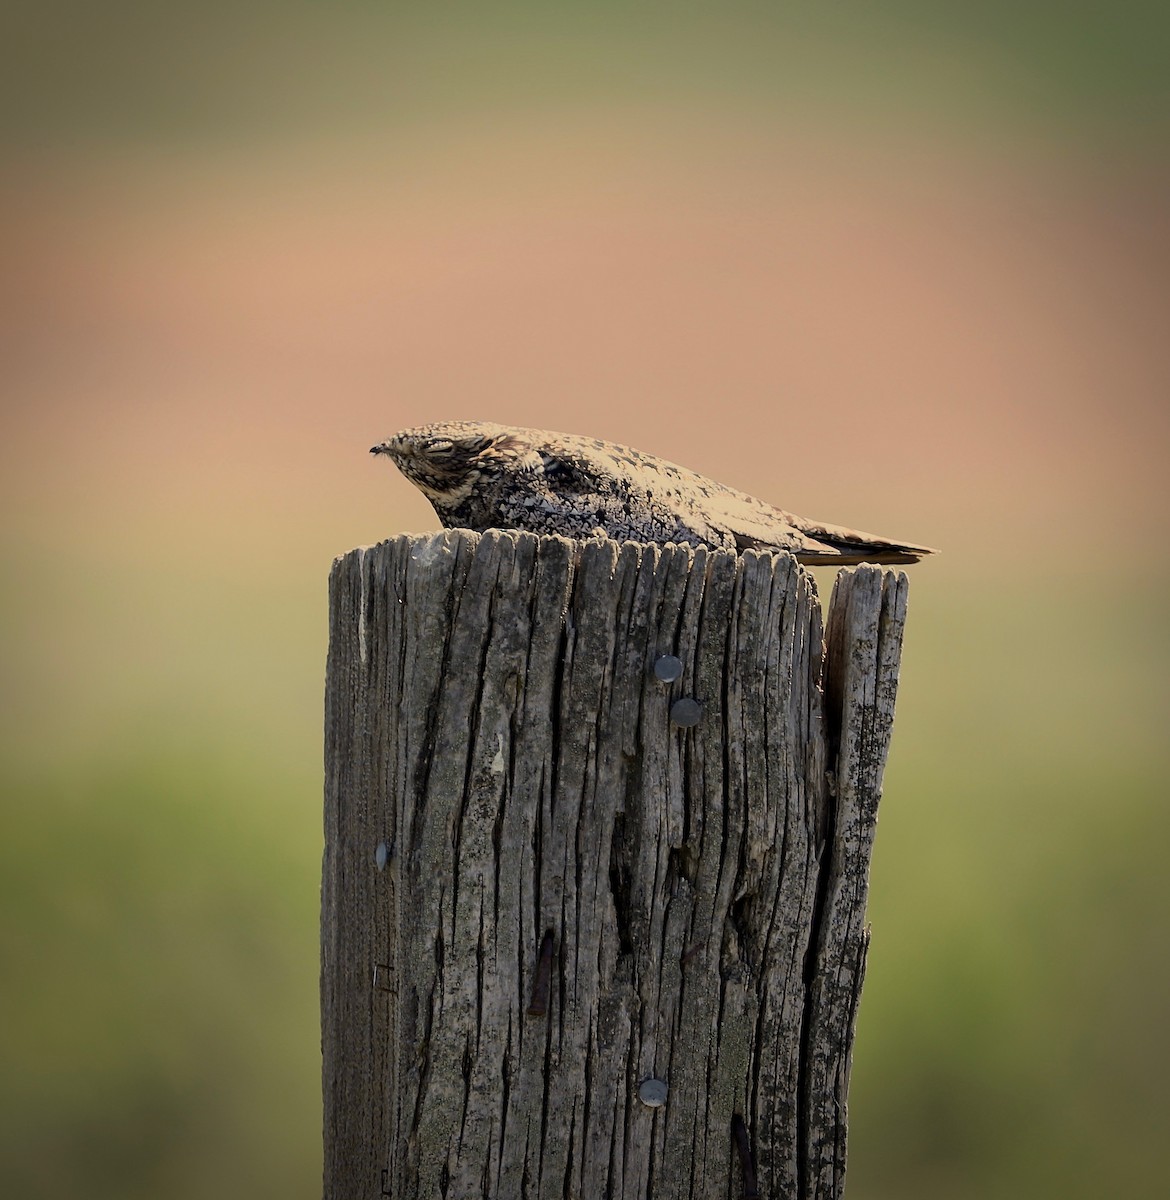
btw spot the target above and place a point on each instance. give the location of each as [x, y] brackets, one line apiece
[845, 326]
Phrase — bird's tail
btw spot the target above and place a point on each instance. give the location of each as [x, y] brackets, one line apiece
[835, 546]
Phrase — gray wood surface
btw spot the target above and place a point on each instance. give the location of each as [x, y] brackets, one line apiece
[541, 894]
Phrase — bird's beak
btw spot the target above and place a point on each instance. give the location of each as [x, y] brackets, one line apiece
[380, 448]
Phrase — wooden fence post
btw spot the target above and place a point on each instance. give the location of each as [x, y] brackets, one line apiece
[598, 821]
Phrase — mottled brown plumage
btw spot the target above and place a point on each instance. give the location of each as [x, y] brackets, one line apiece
[483, 476]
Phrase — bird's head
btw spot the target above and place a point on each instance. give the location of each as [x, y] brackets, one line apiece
[445, 461]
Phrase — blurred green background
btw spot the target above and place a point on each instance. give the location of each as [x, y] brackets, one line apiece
[905, 267]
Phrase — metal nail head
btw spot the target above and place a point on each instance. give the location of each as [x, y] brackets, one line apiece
[686, 712]
[668, 668]
[652, 1092]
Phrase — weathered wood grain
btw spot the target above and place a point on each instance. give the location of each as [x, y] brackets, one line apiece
[539, 892]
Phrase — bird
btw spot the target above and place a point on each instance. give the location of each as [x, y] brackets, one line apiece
[480, 475]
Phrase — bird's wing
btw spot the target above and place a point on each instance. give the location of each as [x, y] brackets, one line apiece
[758, 526]
[632, 495]
[714, 513]
[752, 524]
